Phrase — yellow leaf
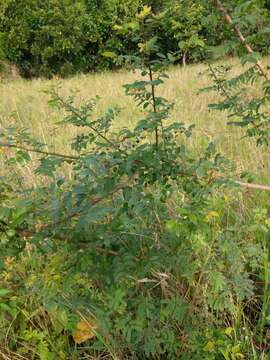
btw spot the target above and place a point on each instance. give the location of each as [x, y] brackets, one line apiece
[109, 54]
[117, 27]
[144, 13]
[235, 349]
[267, 222]
[141, 46]
[211, 215]
[209, 346]
[9, 262]
[228, 331]
[84, 331]
[239, 356]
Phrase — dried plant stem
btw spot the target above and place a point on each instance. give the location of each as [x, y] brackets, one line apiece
[254, 186]
[241, 37]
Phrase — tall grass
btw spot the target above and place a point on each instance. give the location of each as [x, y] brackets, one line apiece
[25, 103]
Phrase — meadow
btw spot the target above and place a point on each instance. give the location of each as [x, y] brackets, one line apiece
[25, 103]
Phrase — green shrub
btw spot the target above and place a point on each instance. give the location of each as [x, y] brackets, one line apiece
[140, 252]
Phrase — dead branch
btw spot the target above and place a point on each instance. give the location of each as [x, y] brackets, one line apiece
[253, 186]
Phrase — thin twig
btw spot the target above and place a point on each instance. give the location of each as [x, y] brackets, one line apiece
[153, 102]
[77, 113]
[241, 37]
[219, 83]
[48, 153]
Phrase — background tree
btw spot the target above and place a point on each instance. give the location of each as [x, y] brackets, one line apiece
[62, 37]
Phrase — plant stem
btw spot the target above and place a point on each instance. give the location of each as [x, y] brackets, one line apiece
[154, 103]
[241, 37]
[220, 85]
[266, 293]
[254, 186]
[48, 153]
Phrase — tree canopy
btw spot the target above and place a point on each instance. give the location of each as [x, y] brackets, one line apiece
[63, 37]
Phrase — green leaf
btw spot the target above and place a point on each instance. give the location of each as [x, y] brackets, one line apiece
[251, 58]
[4, 292]
[109, 54]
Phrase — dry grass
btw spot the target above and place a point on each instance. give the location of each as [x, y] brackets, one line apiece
[25, 102]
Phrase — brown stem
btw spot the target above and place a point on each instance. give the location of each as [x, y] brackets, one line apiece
[48, 153]
[184, 62]
[254, 186]
[241, 37]
[154, 102]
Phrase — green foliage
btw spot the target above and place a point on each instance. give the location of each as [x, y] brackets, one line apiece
[58, 37]
[185, 24]
[244, 109]
[131, 233]
[64, 37]
[50, 35]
